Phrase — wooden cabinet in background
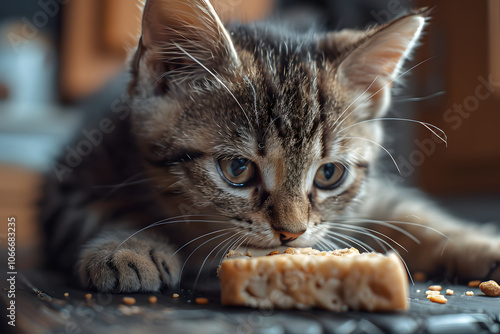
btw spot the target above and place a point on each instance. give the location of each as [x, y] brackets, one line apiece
[97, 36]
[463, 39]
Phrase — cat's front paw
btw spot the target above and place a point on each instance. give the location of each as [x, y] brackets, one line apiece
[477, 257]
[139, 265]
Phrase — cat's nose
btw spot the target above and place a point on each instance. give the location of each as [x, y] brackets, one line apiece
[289, 236]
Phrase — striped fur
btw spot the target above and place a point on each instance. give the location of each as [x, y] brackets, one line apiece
[289, 103]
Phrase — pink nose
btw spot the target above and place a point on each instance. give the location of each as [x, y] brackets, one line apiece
[289, 236]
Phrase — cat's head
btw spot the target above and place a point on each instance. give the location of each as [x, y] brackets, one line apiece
[272, 129]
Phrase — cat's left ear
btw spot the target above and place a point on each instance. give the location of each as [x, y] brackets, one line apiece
[183, 40]
[377, 58]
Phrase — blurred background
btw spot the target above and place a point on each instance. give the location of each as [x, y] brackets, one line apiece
[61, 60]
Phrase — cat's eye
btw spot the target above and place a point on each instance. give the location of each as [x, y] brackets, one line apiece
[237, 172]
[329, 176]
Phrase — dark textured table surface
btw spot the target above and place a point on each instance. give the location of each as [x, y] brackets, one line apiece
[41, 307]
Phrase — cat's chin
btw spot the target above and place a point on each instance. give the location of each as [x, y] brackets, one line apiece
[253, 251]
[259, 251]
[272, 245]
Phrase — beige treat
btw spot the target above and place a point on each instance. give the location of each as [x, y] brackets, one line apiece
[304, 278]
[431, 293]
[469, 293]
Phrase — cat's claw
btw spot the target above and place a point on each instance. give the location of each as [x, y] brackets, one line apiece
[134, 267]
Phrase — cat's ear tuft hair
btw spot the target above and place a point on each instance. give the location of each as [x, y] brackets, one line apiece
[375, 61]
[182, 39]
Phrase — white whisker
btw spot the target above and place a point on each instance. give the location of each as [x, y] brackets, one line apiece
[225, 248]
[428, 126]
[323, 243]
[126, 182]
[205, 260]
[350, 105]
[198, 238]
[382, 147]
[357, 228]
[194, 251]
[254, 99]
[390, 246]
[405, 223]
[232, 245]
[241, 242]
[383, 87]
[377, 241]
[216, 78]
[419, 98]
[364, 246]
[383, 223]
[171, 221]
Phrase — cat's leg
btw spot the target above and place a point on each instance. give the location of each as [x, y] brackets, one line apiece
[447, 245]
[145, 262]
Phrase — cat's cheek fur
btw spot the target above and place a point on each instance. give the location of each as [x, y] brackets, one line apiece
[141, 263]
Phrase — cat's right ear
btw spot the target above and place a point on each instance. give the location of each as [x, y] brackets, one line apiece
[375, 59]
[182, 40]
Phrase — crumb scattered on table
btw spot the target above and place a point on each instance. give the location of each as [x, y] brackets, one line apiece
[66, 294]
[201, 300]
[128, 300]
[473, 284]
[435, 288]
[419, 276]
[88, 296]
[440, 299]
[450, 292]
[469, 293]
[276, 252]
[129, 310]
[152, 299]
[175, 295]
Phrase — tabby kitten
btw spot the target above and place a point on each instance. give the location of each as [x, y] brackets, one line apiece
[247, 135]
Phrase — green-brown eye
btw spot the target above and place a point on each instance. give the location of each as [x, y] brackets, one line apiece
[329, 176]
[237, 172]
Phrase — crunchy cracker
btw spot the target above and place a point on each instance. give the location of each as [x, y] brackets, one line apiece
[490, 288]
[304, 278]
